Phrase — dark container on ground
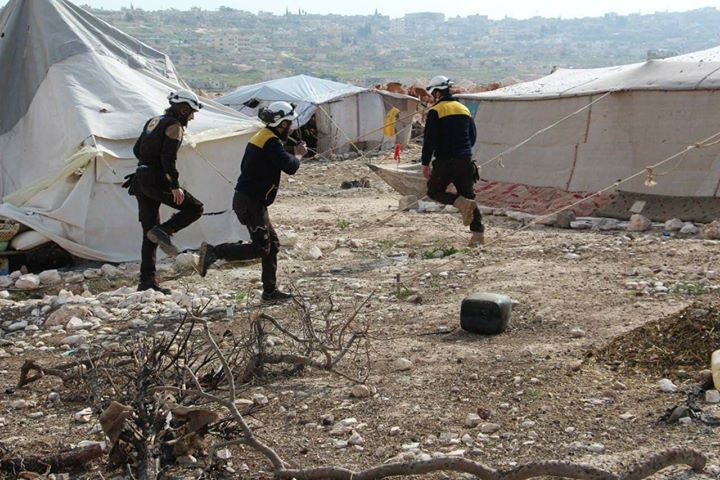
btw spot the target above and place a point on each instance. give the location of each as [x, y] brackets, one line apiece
[485, 313]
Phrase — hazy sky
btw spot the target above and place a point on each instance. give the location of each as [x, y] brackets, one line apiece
[396, 8]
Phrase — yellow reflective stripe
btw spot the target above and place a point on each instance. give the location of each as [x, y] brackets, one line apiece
[445, 109]
[261, 137]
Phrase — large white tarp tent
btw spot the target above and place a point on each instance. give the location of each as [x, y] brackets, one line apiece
[76, 93]
[654, 109]
[344, 114]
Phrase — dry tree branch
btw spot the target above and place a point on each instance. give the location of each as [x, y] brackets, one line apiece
[642, 469]
[565, 469]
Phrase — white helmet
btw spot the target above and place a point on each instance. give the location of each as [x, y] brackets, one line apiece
[439, 82]
[186, 96]
[275, 113]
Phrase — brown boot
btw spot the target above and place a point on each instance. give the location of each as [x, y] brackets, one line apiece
[466, 207]
[477, 239]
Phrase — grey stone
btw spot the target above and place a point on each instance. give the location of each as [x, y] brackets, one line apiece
[472, 420]
[73, 340]
[673, 225]
[402, 364]
[667, 386]
[689, 228]
[564, 219]
[712, 396]
[577, 333]
[75, 324]
[606, 224]
[92, 273]
[259, 399]
[14, 327]
[110, 271]
[489, 428]
[356, 439]
[18, 404]
[581, 225]
[360, 391]
[28, 282]
[50, 277]
[638, 223]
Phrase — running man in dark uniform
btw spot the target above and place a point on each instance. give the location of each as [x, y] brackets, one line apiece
[264, 160]
[156, 182]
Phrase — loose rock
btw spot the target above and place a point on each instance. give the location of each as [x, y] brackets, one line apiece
[596, 448]
[712, 396]
[712, 230]
[28, 282]
[673, 225]
[638, 223]
[689, 228]
[489, 428]
[360, 391]
[315, 253]
[667, 386]
[472, 420]
[50, 277]
[402, 364]
[564, 219]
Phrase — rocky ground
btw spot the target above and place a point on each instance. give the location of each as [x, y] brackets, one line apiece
[545, 389]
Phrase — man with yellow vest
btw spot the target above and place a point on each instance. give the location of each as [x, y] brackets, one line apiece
[264, 160]
[449, 137]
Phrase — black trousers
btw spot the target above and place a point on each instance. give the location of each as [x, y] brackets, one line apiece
[151, 190]
[264, 241]
[461, 173]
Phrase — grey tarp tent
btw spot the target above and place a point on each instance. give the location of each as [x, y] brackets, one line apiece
[345, 114]
[77, 93]
[655, 108]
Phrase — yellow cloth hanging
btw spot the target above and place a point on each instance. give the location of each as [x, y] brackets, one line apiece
[389, 125]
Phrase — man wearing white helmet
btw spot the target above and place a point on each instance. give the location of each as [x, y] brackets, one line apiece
[447, 144]
[264, 160]
[157, 182]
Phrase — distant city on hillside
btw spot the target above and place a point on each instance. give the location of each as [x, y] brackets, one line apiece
[221, 49]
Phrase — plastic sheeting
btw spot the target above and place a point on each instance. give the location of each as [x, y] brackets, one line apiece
[693, 71]
[615, 138]
[345, 114]
[296, 89]
[38, 34]
[87, 90]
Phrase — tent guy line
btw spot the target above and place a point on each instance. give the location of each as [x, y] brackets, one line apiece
[500, 155]
[706, 143]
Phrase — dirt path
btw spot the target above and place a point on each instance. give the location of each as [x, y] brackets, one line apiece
[549, 399]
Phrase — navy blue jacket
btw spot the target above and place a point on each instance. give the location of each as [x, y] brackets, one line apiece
[449, 131]
[265, 157]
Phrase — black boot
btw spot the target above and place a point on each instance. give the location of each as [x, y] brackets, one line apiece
[161, 237]
[207, 257]
[276, 296]
[142, 286]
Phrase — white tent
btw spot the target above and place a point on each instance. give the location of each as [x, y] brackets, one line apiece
[76, 93]
[344, 114]
[655, 109]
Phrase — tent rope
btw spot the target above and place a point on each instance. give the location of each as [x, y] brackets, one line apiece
[500, 155]
[708, 142]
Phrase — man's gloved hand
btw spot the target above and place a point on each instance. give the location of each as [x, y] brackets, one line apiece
[426, 171]
[178, 196]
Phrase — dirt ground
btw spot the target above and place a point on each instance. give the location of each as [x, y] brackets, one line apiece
[539, 381]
